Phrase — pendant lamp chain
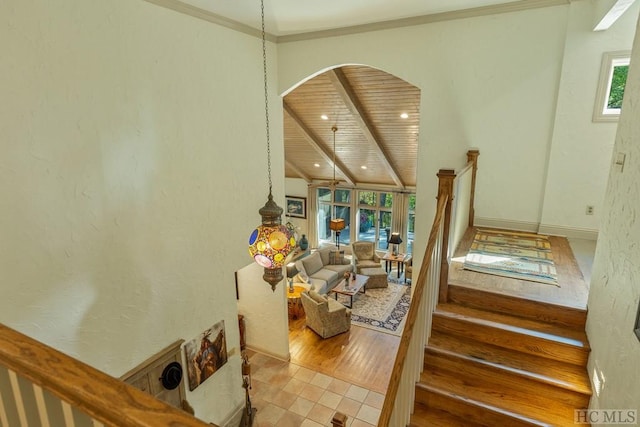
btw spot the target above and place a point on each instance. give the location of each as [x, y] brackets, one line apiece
[266, 94]
[271, 242]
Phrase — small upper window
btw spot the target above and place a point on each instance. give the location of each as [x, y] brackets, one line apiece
[613, 78]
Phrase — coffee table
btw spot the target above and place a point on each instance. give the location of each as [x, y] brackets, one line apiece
[351, 287]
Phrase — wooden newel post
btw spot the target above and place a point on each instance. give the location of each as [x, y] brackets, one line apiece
[472, 156]
[445, 189]
[339, 420]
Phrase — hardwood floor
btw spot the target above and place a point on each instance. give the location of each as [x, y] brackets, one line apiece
[573, 291]
[361, 356]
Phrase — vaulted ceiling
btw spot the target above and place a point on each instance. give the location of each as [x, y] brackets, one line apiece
[374, 145]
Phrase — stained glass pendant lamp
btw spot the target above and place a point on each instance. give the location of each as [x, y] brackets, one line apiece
[271, 242]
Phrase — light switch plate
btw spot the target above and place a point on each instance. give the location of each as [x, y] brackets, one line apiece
[620, 158]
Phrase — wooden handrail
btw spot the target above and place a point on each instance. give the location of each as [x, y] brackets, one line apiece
[445, 189]
[472, 158]
[446, 178]
[394, 381]
[441, 222]
[106, 399]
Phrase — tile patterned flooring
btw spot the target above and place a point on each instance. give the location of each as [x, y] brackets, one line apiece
[288, 395]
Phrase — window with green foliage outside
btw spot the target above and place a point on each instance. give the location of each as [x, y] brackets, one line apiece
[616, 90]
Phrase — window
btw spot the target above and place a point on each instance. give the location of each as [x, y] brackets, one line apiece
[374, 222]
[336, 204]
[613, 78]
[411, 223]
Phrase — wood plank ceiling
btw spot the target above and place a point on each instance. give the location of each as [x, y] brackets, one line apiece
[365, 104]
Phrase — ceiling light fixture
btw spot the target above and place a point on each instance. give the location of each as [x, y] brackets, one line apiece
[316, 165]
[324, 117]
[404, 116]
[271, 242]
[363, 167]
[336, 224]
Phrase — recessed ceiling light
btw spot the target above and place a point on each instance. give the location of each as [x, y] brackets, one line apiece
[316, 165]
[324, 117]
[404, 116]
[363, 167]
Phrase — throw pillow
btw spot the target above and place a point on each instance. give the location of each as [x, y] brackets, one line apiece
[324, 255]
[336, 257]
[312, 263]
[301, 278]
[317, 297]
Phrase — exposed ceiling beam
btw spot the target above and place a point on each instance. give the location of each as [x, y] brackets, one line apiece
[608, 12]
[318, 146]
[342, 86]
[298, 171]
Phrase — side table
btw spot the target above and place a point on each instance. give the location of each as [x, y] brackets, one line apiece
[294, 304]
[389, 259]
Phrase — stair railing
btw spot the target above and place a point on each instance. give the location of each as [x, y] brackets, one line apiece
[429, 289]
[42, 386]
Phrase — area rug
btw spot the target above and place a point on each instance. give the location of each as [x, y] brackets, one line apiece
[382, 309]
[516, 255]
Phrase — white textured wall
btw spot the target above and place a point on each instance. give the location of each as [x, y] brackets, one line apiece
[125, 201]
[581, 149]
[265, 312]
[488, 82]
[615, 279]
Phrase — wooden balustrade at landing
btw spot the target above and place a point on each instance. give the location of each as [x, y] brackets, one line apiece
[42, 386]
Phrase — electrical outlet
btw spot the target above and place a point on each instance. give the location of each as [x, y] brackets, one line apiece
[589, 210]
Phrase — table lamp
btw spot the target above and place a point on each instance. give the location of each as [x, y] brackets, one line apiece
[395, 240]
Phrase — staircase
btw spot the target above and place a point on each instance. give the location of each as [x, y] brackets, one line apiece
[498, 360]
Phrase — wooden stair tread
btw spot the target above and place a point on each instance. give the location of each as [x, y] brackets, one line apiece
[560, 374]
[538, 329]
[570, 317]
[423, 416]
[469, 409]
[510, 402]
[498, 377]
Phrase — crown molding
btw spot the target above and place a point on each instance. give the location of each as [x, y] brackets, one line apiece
[205, 15]
[515, 6]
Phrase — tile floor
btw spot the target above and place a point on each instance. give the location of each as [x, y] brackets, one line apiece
[288, 395]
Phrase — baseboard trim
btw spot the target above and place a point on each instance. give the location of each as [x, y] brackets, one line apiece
[534, 227]
[506, 224]
[569, 232]
[234, 419]
[283, 357]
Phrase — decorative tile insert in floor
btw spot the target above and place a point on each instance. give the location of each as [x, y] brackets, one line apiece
[288, 395]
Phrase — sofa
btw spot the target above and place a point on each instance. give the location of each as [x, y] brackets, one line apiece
[326, 316]
[323, 269]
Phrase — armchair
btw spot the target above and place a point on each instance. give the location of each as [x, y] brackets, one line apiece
[408, 269]
[364, 255]
[325, 316]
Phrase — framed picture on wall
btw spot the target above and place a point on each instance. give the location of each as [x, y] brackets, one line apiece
[296, 207]
[205, 354]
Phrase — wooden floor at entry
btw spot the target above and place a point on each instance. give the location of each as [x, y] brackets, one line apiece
[573, 291]
[365, 357]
